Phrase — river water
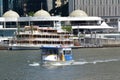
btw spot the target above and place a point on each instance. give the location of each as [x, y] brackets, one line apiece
[90, 64]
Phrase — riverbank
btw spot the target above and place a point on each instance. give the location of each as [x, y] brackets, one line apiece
[103, 46]
[79, 47]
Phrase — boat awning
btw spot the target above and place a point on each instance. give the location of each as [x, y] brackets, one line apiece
[50, 47]
[53, 48]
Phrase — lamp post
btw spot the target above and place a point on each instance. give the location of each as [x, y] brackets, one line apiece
[84, 41]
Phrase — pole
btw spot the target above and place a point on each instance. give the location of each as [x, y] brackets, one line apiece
[1, 7]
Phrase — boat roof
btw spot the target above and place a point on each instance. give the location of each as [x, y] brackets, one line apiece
[50, 48]
[53, 18]
[55, 47]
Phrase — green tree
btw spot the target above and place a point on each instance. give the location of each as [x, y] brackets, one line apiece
[67, 28]
[31, 13]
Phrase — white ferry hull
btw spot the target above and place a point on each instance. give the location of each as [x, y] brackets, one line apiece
[24, 48]
[29, 47]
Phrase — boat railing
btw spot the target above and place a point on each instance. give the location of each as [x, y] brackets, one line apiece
[36, 32]
[27, 44]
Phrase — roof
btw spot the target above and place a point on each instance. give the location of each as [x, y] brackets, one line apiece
[11, 13]
[91, 27]
[41, 13]
[78, 13]
[50, 48]
[102, 26]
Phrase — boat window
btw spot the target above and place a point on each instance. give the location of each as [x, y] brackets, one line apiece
[55, 51]
[49, 51]
[43, 51]
[67, 52]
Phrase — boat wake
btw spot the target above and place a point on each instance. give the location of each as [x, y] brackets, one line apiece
[78, 62]
[94, 62]
[34, 64]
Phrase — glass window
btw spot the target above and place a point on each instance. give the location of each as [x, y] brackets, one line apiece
[118, 1]
[112, 1]
[6, 32]
[106, 1]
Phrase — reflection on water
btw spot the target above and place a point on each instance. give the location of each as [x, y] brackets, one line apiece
[90, 64]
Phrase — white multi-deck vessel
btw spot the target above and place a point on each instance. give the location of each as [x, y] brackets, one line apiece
[33, 37]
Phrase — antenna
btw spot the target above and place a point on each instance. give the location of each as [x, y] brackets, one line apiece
[41, 5]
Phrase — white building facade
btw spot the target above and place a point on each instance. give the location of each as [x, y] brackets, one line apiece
[96, 7]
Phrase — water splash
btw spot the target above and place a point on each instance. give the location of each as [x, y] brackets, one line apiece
[103, 61]
[94, 62]
[78, 62]
[34, 64]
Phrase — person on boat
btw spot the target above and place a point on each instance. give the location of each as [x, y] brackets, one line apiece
[62, 57]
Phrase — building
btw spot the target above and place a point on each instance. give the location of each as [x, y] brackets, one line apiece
[78, 20]
[26, 7]
[78, 23]
[107, 9]
[96, 7]
[23, 7]
[59, 3]
[4, 6]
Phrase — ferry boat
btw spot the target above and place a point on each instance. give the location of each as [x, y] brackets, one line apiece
[33, 37]
[56, 56]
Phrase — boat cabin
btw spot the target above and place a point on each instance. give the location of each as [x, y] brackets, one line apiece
[54, 54]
